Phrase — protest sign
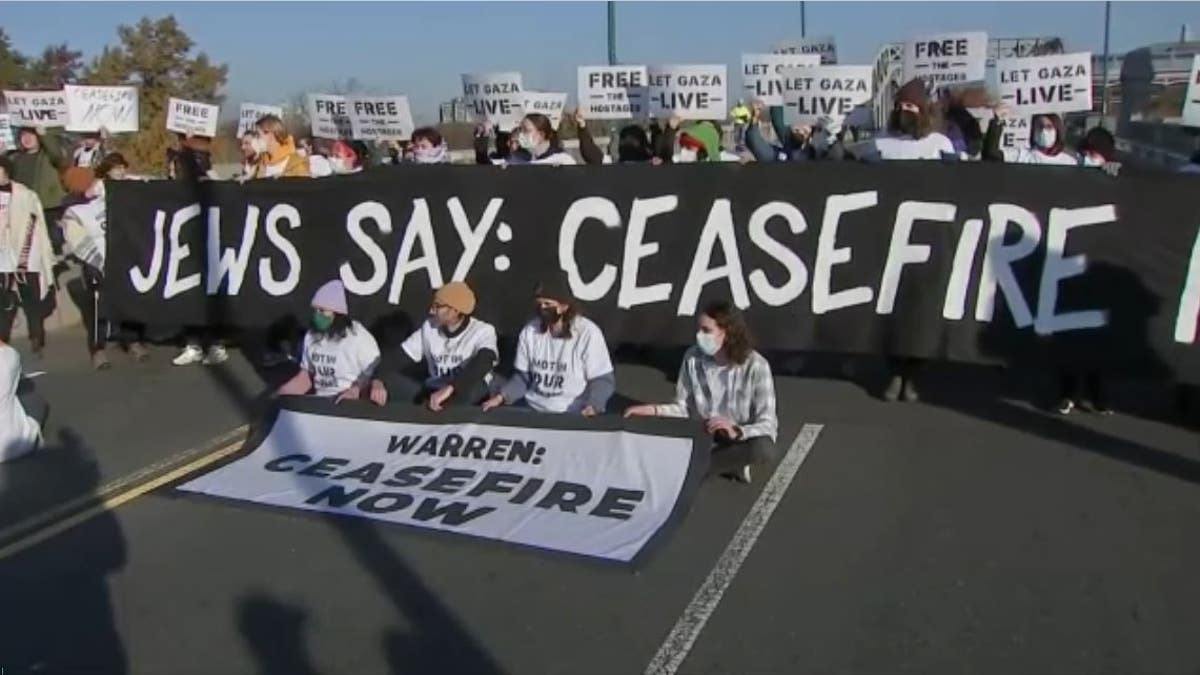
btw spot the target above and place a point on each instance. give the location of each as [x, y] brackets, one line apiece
[46, 109]
[606, 488]
[380, 118]
[113, 108]
[250, 113]
[328, 118]
[496, 97]
[1191, 102]
[825, 91]
[1032, 85]
[691, 92]
[546, 103]
[192, 118]
[1014, 135]
[983, 262]
[823, 45]
[7, 142]
[947, 59]
[612, 92]
[762, 75]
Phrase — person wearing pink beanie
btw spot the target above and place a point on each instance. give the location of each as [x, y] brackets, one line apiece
[339, 355]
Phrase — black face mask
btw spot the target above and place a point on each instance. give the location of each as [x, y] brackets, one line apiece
[548, 315]
[908, 122]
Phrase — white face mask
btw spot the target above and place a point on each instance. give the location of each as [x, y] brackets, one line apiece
[339, 165]
[688, 155]
[259, 144]
[708, 343]
[1046, 138]
[525, 141]
[1092, 160]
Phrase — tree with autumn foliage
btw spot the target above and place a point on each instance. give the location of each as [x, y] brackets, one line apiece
[157, 56]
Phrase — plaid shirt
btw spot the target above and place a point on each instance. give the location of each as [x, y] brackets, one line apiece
[744, 393]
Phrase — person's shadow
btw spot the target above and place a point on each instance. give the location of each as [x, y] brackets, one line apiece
[56, 615]
[274, 633]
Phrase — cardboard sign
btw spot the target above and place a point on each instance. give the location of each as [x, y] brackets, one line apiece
[7, 142]
[826, 92]
[823, 45]
[612, 92]
[328, 118]
[1191, 102]
[496, 97]
[762, 75]
[92, 108]
[380, 118]
[36, 108]
[250, 113]
[950, 58]
[691, 92]
[1016, 129]
[192, 118]
[546, 103]
[1060, 83]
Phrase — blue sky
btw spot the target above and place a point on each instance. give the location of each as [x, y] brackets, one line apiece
[276, 50]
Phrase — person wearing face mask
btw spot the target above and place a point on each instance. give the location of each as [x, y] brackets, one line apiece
[727, 385]
[249, 154]
[26, 260]
[458, 349]
[910, 129]
[538, 138]
[1098, 150]
[701, 142]
[276, 151]
[797, 143]
[1046, 140]
[428, 147]
[345, 159]
[339, 356]
[562, 363]
[506, 150]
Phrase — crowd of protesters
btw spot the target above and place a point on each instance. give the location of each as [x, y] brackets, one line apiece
[52, 211]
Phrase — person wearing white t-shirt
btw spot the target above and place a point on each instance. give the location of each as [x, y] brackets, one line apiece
[1047, 136]
[538, 138]
[910, 133]
[562, 363]
[728, 386]
[22, 413]
[339, 355]
[459, 352]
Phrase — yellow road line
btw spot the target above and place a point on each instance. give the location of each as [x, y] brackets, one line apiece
[115, 494]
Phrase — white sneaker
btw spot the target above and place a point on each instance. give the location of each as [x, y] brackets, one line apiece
[216, 355]
[190, 355]
[742, 475]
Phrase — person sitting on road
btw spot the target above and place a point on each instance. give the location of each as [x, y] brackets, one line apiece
[562, 363]
[727, 384]
[22, 413]
[339, 355]
[458, 349]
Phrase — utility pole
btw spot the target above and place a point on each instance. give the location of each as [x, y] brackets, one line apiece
[803, 28]
[612, 33]
[1104, 82]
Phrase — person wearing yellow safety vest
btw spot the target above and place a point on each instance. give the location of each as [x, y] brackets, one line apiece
[741, 119]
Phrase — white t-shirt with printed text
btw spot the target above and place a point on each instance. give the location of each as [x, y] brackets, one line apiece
[932, 146]
[446, 355]
[336, 364]
[559, 368]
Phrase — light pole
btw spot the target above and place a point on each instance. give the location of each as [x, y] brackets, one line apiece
[1104, 82]
[803, 28]
[612, 33]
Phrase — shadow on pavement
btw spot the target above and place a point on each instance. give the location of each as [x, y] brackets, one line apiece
[274, 633]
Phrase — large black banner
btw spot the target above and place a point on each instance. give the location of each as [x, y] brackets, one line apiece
[984, 263]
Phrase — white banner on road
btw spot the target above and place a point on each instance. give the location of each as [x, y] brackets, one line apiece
[1033, 85]
[950, 58]
[496, 97]
[823, 45]
[762, 75]
[250, 113]
[546, 103]
[328, 118]
[36, 108]
[691, 92]
[1191, 104]
[826, 92]
[612, 92]
[380, 118]
[89, 108]
[192, 118]
[599, 492]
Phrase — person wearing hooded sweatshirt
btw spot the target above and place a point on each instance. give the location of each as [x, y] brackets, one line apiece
[701, 142]
[36, 164]
[428, 147]
[633, 146]
[505, 152]
[276, 151]
[562, 363]
[339, 355]
[1047, 138]
[797, 143]
[26, 259]
[910, 129]
[458, 349]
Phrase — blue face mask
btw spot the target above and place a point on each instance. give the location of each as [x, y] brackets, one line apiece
[708, 343]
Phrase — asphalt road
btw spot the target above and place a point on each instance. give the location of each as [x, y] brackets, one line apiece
[971, 532]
